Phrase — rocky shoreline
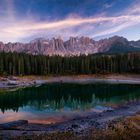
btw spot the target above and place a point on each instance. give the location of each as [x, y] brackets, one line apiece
[78, 126]
[27, 81]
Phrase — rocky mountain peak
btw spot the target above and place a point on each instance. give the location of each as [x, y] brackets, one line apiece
[118, 39]
[73, 46]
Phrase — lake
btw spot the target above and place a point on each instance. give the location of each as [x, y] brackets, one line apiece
[58, 102]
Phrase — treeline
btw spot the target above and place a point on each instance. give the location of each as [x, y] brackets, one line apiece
[25, 64]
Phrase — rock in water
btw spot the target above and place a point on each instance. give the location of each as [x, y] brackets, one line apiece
[13, 125]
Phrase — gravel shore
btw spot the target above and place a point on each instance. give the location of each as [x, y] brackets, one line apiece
[78, 125]
[26, 81]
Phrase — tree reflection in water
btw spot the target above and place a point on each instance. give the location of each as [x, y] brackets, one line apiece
[66, 97]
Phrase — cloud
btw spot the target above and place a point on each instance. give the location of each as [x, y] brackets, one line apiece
[114, 29]
[106, 5]
[25, 29]
[15, 29]
[133, 9]
[60, 24]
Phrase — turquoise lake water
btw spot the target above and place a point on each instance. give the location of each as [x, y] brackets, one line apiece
[57, 102]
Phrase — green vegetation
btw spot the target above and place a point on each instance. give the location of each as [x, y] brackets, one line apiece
[25, 64]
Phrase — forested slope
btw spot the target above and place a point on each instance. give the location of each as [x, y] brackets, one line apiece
[25, 64]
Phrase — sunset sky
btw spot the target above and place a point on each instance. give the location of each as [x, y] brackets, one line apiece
[24, 20]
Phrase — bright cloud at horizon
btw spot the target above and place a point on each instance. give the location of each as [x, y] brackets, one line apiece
[16, 26]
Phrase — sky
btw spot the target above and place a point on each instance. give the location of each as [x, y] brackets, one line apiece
[25, 20]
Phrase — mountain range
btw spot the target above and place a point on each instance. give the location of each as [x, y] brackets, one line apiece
[75, 46]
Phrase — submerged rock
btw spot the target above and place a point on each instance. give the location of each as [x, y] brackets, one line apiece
[10, 82]
[13, 125]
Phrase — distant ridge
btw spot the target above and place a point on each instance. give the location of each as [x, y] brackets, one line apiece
[75, 46]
